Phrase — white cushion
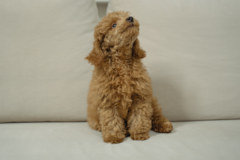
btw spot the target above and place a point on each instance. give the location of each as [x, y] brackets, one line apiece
[43, 74]
[193, 55]
[206, 140]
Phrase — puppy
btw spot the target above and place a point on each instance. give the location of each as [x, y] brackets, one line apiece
[120, 99]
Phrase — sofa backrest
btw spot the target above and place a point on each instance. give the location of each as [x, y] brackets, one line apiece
[193, 57]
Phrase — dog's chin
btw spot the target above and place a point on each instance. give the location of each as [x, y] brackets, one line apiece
[134, 31]
[130, 27]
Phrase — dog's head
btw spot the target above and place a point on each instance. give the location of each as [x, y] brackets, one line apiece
[116, 30]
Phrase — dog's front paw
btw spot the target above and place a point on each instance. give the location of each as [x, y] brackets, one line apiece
[140, 136]
[113, 139]
[165, 127]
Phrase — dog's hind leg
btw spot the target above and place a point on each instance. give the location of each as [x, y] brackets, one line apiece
[159, 122]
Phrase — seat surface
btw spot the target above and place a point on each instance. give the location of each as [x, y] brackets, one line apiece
[213, 140]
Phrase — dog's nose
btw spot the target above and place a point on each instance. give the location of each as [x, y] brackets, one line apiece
[130, 19]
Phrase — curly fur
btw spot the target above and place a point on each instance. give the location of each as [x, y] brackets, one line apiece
[120, 99]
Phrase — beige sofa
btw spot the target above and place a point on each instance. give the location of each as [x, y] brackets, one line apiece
[193, 58]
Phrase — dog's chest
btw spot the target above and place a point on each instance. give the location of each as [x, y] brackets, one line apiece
[120, 80]
[120, 73]
[117, 87]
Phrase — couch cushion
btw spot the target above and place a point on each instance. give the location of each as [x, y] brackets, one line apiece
[192, 55]
[43, 74]
[208, 140]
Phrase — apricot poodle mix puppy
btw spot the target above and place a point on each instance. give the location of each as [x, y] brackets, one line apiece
[120, 99]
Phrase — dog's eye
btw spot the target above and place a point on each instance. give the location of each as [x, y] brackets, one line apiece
[114, 25]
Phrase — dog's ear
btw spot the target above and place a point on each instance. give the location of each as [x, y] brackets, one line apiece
[138, 53]
[96, 55]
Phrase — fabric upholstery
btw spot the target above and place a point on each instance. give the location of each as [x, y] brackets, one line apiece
[208, 140]
[193, 55]
[43, 74]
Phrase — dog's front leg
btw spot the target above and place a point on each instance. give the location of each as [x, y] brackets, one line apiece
[113, 126]
[139, 120]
